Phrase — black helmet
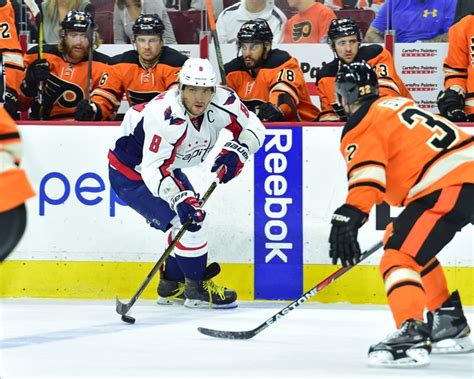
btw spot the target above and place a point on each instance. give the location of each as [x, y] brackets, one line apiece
[78, 21]
[356, 81]
[256, 30]
[343, 27]
[148, 24]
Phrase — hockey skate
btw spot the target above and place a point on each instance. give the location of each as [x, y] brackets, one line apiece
[408, 347]
[170, 291]
[207, 294]
[449, 328]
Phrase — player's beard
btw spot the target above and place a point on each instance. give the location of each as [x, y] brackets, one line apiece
[77, 53]
[252, 64]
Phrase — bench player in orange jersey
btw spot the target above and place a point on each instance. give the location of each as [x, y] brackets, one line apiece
[141, 74]
[401, 154]
[15, 188]
[269, 81]
[457, 101]
[12, 56]
[344, 37]
[55, 85]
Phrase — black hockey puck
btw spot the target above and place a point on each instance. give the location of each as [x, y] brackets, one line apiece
[128, 319]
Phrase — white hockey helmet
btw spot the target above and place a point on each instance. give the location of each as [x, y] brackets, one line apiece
[197, 72]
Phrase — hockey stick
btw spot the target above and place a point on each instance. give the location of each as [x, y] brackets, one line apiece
[36, 11]
[90, 37]
[215, 38]
[245, 335]
[123, 308]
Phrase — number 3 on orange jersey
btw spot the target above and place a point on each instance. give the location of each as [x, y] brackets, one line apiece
[445, 134]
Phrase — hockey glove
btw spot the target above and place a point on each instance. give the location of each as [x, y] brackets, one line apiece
[346, 222]
[12, 106]
[232, 157]
[187, 206]
[270, 112]
[87, 111]
[37, 71]
[451, 105]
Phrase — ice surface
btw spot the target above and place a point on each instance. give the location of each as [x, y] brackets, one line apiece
[58, 338]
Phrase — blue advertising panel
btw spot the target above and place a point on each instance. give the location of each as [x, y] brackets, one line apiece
[278, 216]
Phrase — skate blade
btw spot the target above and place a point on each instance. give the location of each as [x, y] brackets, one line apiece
[168, 301]
[198, 304]
[415, 358]
[453, 346]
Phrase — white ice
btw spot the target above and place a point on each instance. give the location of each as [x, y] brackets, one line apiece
[58, 338]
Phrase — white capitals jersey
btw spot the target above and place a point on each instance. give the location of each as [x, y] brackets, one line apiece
[160, 136]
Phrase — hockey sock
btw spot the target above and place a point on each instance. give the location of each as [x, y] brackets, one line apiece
[435, 285]
[194, 268]
[403, 285]
[172, 270]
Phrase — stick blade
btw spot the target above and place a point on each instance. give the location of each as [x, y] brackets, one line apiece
[245, 335]
[120, 307]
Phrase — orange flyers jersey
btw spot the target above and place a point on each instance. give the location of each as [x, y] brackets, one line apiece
[126, 75]
[67, 83]
[14, 186]
[397, 152]
[389, 82]
[310, 26]
[459, 63]
[10, 47]
[279, 74]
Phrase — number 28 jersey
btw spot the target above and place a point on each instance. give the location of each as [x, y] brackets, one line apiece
[397, 152]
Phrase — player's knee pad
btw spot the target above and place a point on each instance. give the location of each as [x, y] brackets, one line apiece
[192, 245]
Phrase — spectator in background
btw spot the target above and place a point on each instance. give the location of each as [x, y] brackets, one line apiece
[12, 56]
[54, 85]
[141, 73]
[217, 5]
[54, 12]
[269, 81]
[457, 102]
[310, 25]
[354, 4]
[345, 37]
[127, 11]
[414, 20]
[233, 17]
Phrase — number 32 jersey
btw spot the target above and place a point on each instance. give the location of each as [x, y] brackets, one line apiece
[160, 136]
[397, 152]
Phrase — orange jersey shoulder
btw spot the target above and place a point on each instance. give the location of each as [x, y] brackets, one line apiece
[409, 154]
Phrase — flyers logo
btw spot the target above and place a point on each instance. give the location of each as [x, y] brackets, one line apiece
[303, 29]
[65, 93]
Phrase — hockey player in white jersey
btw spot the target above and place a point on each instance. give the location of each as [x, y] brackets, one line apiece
[174, 131]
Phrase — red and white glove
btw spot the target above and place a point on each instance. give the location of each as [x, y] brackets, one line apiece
[232, 158]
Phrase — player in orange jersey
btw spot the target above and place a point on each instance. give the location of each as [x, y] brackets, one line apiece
[141, 74]
[457, 101]
[55, 85]
[12, 57]
[344, 37]
[15, 188]
[310, 24]
[398, 153]
[269, 81]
